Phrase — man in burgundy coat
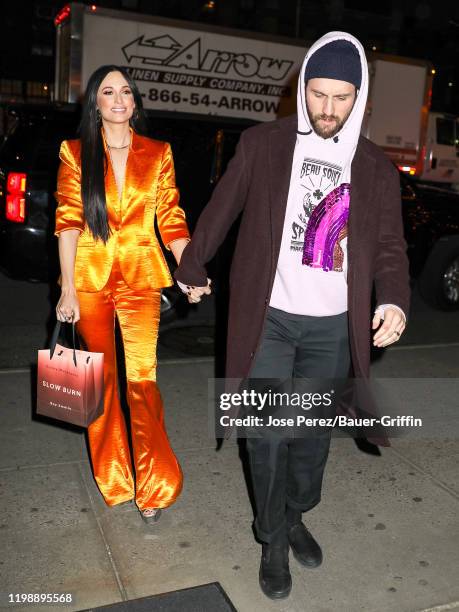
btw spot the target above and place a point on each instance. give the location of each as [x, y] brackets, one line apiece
[320, 227]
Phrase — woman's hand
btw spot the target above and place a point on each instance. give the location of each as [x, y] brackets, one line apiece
[195, 293]
[68, 307]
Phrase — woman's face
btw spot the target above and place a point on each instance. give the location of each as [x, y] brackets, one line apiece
[115, 99]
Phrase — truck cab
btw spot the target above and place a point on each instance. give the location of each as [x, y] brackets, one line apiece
[442, 149]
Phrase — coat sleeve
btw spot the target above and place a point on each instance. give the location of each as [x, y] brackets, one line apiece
[227, 201]
[392, 281]
[171, 218]
[69, 212]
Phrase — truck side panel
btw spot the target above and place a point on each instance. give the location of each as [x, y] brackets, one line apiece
[189, 70]
[397, 96]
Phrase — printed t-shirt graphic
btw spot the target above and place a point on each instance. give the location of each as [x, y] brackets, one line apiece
[321, 223]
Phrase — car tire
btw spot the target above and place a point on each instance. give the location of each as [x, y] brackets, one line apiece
[170, 297]
[439, 280]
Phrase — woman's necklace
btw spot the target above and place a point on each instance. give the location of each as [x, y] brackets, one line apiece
[109, 146]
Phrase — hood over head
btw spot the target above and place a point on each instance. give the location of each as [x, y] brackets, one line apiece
[336, 55]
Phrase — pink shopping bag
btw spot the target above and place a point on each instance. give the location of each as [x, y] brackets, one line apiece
[70, 383]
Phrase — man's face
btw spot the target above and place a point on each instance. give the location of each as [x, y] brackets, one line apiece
[329, 103]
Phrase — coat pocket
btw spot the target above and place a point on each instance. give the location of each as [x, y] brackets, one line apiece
[149, 210]
[145, 240]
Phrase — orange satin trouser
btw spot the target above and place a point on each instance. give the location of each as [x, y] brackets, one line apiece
[153, 477]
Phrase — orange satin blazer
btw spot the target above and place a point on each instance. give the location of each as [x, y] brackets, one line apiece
[149, 191]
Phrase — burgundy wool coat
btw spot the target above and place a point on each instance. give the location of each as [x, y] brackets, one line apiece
[256, 185]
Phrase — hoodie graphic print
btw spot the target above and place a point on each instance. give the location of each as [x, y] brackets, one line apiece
[312, 266]
[323, 220]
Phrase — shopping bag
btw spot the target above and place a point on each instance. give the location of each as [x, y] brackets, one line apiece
[70, 382]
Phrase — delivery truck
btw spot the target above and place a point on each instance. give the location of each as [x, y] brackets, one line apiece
[441, 159]
[422, 143]
[197, 71]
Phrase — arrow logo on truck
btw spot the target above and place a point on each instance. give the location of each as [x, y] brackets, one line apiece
[166, 51]
[153, 50]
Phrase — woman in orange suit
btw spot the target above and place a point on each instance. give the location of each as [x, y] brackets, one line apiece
[112, 184]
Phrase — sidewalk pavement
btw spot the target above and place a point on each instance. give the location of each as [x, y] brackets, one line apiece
[388, 525]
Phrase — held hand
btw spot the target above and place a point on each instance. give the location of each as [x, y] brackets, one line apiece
[195, 293]
[391, 329]
[68, 307]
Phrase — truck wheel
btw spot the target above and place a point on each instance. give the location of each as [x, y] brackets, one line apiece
[439, 281]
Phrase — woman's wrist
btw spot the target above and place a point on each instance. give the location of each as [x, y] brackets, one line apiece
[68, 289]
[179, 242]
[177, 247]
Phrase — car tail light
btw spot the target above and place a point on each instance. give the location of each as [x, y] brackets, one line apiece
[62, 15]
[15, 196]
[408, 169]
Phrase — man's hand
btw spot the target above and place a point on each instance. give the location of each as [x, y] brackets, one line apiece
[195, 293]
[391, 329]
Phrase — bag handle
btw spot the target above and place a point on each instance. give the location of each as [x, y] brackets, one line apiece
[55, 337]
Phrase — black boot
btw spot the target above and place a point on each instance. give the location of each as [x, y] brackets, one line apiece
[275, 578]
[305, 548]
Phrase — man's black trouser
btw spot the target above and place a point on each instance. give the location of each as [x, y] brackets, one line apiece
[288, 471]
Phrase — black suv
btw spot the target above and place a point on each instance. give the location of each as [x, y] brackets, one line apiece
[29, 161]
[431, 222]
[28, 167]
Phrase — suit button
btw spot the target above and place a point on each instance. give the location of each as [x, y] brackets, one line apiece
[266, 301]
[252, 355]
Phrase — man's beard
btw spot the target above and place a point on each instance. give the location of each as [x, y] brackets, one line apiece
[325, 131]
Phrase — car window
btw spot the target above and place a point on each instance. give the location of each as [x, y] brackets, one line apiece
[33, 141]
[445, 132]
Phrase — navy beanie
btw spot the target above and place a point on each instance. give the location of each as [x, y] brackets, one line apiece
[338, 60]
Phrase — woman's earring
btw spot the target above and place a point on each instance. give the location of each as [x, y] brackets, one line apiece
[99, 116]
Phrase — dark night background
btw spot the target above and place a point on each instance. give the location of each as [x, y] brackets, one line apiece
[388, 518]
[421, 29]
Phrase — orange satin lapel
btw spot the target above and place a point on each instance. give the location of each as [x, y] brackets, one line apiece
[137, 167]
[111, 191]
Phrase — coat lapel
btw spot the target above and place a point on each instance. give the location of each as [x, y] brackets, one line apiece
[281, 147]
[137, 167]
[111, 189]
[362, 180]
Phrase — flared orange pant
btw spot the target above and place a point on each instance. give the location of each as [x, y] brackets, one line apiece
[153, 475]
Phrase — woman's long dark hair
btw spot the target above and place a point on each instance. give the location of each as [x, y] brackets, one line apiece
[93, 158]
